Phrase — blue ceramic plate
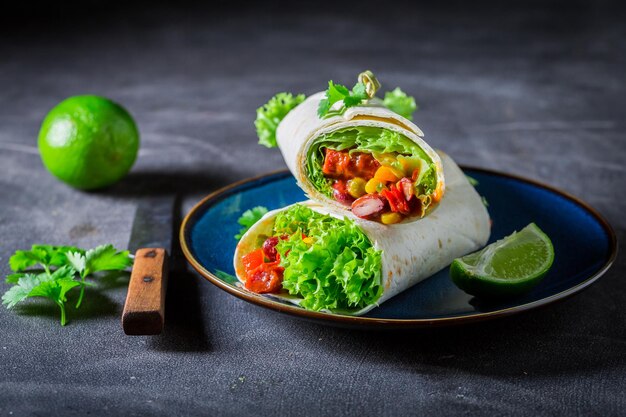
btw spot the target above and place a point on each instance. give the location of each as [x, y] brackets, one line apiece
[584, 244]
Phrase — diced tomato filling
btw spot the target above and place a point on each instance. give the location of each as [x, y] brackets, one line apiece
[371, 189]
[263, 271]
[252, 260]
[267, 277]
[345, 166]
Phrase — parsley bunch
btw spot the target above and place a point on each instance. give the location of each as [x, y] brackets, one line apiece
[58, 269]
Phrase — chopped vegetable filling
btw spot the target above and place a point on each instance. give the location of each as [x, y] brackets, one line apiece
[375, 172]
[375, 187]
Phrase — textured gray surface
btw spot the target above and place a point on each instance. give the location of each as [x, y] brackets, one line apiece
[532, 92]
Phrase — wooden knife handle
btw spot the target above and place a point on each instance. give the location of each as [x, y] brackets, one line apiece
[144, 311]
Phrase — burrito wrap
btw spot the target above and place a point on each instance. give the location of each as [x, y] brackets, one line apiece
[299, 129]
[410, 252]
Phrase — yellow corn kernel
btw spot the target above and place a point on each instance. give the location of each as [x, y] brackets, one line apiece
[388, 174]
[390, 218]
[308, 240]
[372, 186]
[356, 187]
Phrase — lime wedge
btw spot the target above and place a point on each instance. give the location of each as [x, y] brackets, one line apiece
[510, 266]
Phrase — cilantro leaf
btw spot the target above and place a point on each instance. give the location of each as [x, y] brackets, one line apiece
[54, 287]
[60, 264]
[77, 261]
[13, 278]
[23, 259]
[249, 218]
[44, 255]
[398, 102]
[101, 258]
[338, 92]
[107, 258]
[270, 115]
[22, 289]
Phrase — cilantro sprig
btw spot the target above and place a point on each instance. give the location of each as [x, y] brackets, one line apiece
[64, 268]
[396, 100]
[337, 93]
[249, 218]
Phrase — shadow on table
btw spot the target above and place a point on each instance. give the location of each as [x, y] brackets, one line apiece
[158, 183]
[544, 342]
[184, 329]
[95, 304]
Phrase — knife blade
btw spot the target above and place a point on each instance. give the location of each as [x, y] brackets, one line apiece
[150, 240]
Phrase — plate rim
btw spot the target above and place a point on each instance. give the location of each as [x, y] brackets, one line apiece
[340, 319]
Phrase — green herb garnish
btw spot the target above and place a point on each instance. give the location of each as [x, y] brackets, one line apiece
[338, 92]
[270, 115]
[398, 102]
[61, 266]
[101, 258]
[249, 218]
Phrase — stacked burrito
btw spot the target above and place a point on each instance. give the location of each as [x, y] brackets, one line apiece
[386, 211]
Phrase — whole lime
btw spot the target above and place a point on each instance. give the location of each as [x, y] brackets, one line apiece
[88, 142]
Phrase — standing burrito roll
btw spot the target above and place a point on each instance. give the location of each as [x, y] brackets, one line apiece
[357, 154]
[324, 260]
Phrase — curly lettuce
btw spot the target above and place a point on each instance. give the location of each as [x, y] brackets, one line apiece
[329, 263]
[374, 140]
[270, 115]
[399, 102]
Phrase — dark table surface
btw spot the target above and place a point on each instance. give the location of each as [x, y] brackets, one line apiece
[538, 92]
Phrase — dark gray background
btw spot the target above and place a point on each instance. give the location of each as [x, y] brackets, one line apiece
[533, 90]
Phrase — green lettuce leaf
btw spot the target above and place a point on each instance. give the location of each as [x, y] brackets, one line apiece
[398, 102]
[374, 140]
[338, 270]
[270, 115]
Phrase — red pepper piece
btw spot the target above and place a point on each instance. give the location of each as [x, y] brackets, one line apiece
[252, 260]
[397, 203]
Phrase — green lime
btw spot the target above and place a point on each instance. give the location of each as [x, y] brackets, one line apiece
[88, 142]
[510, 266]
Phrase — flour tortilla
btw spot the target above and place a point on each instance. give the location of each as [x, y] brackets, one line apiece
[411, 252]
[302, 126]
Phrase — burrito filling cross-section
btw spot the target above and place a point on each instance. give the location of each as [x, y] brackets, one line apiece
[379, 173]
